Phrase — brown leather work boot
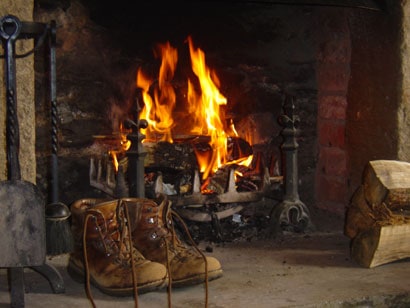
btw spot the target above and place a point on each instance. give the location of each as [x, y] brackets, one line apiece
[154, 236]
[105, 257]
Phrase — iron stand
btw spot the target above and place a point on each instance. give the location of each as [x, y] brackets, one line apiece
[12, 29]
[291, 214]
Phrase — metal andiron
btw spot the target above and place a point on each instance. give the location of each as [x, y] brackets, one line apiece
[136, 155]
[291, 214]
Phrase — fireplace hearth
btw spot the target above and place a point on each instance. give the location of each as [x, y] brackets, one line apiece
[312, 51]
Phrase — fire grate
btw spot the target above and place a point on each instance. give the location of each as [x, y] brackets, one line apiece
[288, 213]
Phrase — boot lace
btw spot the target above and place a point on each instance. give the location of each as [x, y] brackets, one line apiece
[127, 254]
[174, 244]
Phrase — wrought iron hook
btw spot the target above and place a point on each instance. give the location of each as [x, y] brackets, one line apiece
[10, 27]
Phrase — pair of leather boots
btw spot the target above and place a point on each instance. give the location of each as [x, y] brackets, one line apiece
[130, 244]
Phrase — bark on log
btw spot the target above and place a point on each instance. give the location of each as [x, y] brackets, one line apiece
[359, 215]
[377, 219]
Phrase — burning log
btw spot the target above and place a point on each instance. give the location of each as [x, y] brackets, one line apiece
[238, 148]
[218, 182]
[378, 218]
[177, 162]
[174, 156]
[174, 162]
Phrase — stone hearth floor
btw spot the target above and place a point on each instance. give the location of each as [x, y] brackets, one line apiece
[292, 270]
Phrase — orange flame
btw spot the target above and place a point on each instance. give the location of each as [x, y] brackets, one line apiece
[157, 110]
[206, 110]
[123, 147]
[204, 106]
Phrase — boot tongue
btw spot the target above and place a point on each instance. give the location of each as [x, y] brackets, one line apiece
[110, 224]
[170, 236]
[134, 211]
[164, 208]
[106, 208]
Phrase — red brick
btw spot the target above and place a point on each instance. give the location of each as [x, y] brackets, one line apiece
[332, 161]
[333, 78]
[332, 107]
[331, 133]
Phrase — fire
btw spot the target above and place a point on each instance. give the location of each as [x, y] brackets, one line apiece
[123, 146]
[204, 106]
[206, 110]
[158, 109]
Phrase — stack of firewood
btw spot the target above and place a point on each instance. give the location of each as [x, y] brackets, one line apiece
[378, 216]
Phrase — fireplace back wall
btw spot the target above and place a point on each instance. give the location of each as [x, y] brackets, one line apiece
[327, 56]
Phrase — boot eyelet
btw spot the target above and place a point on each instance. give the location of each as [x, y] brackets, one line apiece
[151, 220]
[154, 235]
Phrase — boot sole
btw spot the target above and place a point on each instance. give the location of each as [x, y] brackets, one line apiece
[77, 274]
[197, 279]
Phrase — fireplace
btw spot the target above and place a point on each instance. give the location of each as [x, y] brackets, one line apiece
[326, 56]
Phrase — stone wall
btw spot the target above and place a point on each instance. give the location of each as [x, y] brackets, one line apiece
[23, 9]
[404, 109]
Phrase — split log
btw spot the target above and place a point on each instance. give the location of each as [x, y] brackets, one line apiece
[359, 215]
[381, 244]
[377, 219]
[388, 181]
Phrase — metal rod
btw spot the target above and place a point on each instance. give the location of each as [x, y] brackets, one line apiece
[10, 27]
[136, 156]
[54, 115]
[290, 147]
[16, 276]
